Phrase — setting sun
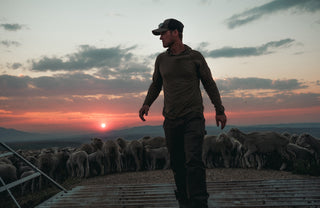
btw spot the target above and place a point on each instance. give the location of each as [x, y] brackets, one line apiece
[103, 125]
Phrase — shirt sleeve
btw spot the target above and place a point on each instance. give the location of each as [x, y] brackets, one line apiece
[210, 85]
[155, 87]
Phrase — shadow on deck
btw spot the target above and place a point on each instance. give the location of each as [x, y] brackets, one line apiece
[261, 193]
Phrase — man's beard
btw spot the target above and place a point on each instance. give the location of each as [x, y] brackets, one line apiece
[168, 45]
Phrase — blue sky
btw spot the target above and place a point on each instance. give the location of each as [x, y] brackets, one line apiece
[72, 65]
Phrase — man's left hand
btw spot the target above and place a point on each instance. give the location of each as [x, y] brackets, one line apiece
[221, 119]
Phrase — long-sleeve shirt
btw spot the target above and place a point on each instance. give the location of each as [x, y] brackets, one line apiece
[179, 76]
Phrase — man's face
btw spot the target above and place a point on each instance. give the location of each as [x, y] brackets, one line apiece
[167, 38]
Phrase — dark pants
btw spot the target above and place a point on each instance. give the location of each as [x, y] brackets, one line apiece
[184, 138]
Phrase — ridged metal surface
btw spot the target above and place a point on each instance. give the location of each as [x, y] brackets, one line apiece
[262, 193]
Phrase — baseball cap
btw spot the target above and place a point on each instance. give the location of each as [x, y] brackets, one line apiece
[168, 24]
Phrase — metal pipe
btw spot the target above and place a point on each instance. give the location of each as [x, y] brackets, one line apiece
[14, 199]
[34, 167]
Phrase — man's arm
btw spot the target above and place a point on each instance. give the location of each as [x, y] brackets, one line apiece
[153, 93]
[212, 90]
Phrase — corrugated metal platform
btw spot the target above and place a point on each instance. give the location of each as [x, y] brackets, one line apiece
[262, 193]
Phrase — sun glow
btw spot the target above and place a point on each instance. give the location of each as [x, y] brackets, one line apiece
[103, 125]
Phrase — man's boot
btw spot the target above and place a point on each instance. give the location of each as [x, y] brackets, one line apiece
[199, 202]
[182, 199]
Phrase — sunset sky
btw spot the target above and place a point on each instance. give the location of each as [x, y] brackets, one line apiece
[69, 66]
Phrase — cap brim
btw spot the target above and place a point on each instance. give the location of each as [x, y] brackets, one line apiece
[159, 31]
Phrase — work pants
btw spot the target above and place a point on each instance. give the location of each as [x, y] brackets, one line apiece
[184, 138]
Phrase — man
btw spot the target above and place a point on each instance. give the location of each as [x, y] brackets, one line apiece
[179, 71]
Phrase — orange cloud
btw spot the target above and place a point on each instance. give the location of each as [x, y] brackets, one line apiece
[60, 122]
[292, 115]
[72, 121]
[5, 111]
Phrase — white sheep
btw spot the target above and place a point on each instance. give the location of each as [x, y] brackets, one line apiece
[132, 154]
[311, 143]
[261, 143]
[154, 142]
[30, 185]
[8, 172]
[78, 164]
[96, 163]
[96, 144]
[112, 156]
[220, 149]
[155, 154]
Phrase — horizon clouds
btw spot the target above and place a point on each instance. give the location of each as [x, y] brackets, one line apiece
[83, 64]
[93, 82]
[274, 6]
[115, 80]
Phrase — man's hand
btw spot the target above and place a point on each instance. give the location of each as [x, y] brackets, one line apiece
[143, 111]
[221, 119]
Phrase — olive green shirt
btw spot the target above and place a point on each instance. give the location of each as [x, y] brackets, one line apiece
[180, 76]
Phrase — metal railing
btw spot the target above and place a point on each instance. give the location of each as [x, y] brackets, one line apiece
[38, 172]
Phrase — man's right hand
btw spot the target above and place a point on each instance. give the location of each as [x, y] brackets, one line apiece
[221, 119]
[143, 111]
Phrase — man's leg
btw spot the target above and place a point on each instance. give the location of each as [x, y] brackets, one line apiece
[195, 169]
[175, 142]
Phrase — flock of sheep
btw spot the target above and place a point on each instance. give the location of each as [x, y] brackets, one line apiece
[234, 149]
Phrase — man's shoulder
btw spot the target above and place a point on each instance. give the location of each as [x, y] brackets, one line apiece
[196, 55]
[162, 54]
[161, 57]
[195, 52]
[189, 51]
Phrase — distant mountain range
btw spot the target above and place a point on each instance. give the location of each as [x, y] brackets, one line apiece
[12, 135]
[294, 128]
